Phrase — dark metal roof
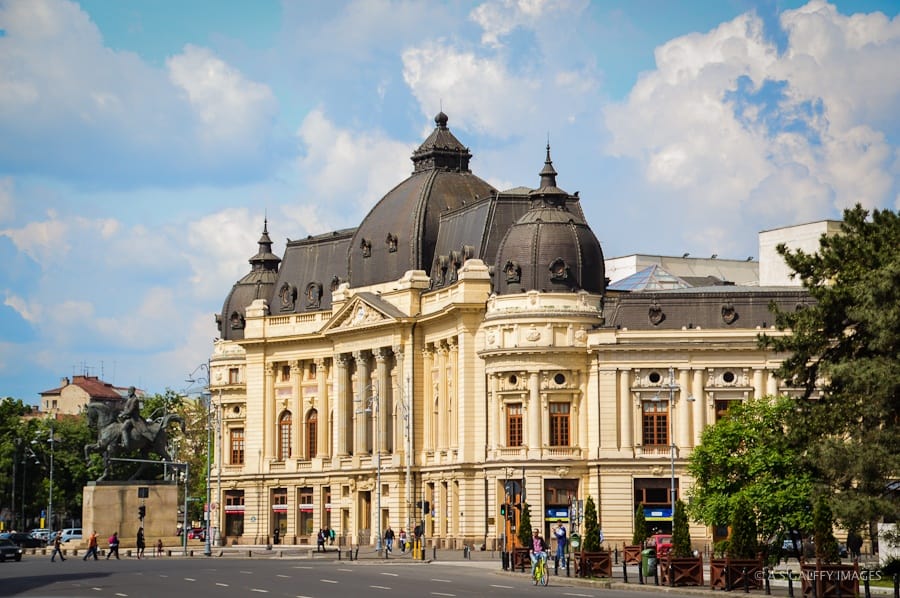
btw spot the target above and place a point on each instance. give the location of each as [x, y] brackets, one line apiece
[551, 247]
[311, 271]
[708, 308]
[400, 232]
[257, 284]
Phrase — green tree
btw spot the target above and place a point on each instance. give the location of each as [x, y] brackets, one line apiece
[591, 540]
[823, 532]
[640, 526]
[747, 456]
[844, 351]
[744, 541]
[681, 532]
[524, 531]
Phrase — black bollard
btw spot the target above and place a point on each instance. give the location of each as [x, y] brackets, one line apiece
[814, 585]
[624, 572]
[339, 554]
[727, 578]
[746, 580]
[896, 585]
[641, 572]
[866, 589]
[768, 586]
[556, 565]
[790, 584]
[616, 555]
[671, 574]
[656, 574]
[568, 562]
[504, 560]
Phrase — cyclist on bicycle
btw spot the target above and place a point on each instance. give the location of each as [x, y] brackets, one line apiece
[538, 550]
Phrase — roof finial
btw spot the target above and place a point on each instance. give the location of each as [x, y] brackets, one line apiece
[548, 174]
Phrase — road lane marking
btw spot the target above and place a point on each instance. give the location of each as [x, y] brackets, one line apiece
[189, 579]
[219, 583]
[345, 569]
[329, 581]
[571, 594]
[443, 580]
[247, 572]
[390, 574]
[283, 575]
[501, 587]
[380, 587]
[118, 594]
[301, 567]
[259, 590]
[441, 594]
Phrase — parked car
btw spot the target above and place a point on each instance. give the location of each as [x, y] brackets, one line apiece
[197, 533]
[661, 542]
[23, 540]
[72, 533]
[9, 550]
[41, 533]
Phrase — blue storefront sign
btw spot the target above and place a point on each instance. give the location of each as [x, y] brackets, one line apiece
[556, 514]
[658, 513]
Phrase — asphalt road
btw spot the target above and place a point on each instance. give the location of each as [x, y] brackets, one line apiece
[295, 577]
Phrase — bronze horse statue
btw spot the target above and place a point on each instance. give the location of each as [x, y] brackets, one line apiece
[115, 437]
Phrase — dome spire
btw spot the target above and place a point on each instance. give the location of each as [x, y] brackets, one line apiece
[548, 174]
[264, 258]
[441, 151]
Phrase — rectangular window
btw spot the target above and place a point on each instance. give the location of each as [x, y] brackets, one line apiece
[312, 370]
[233, 375]
[655, 423]
[514, 424]
[559, 424]
[311, 431]
[236, 440]
[305, 504]
[285, 373]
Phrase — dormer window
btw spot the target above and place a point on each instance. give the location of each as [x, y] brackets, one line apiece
[366, 247]
[513, 272]
[391, 243]
[559, 271]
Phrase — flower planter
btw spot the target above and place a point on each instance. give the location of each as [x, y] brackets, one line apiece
[521, 560]
[729, 573]
[593, 564]
[831, 580]
[681, 571]
[631, 555]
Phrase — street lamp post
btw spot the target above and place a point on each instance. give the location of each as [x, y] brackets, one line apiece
[207, 511]
[372, 408]
[51, 440]
[405, 403]
[672, 435]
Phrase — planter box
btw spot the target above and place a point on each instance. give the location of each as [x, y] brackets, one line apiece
[729, 574]
[681, 571]
[631, 555]
[593, 564]
[521, 559]
[829, 580]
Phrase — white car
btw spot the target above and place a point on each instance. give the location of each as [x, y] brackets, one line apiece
[41, 534]
[72, 533]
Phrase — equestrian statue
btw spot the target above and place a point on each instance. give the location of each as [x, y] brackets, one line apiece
[123, 430]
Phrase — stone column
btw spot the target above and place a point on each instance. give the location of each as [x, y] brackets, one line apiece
[344, 416]
[428, 398]
[442, 415]
[534, 413]
[385, 407]
[699, 405]
[323, 409]
[269, 414]
[496, 412]
[772, 383]
[453, 397]
[626, 407]
[683, 421]
[361, 442]
[298, 430]
[759, 390]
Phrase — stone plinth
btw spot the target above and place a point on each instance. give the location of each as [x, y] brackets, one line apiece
[113, 507]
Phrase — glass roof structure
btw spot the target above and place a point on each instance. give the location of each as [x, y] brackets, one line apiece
[651, 278]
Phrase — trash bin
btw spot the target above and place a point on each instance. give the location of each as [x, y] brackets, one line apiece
[648, 562]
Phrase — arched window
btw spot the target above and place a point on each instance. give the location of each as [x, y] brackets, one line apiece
[284, 436]
[312, 421]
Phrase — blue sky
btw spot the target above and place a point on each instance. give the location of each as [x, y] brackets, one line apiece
[142, 143]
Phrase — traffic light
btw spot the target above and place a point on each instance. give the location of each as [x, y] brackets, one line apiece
[503, 510]
[142, 510]
[424, 505]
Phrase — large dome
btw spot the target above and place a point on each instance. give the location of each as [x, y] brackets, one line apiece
[550, 248]
[400, 232]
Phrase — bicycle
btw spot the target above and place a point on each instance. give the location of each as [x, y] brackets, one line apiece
[540, 576]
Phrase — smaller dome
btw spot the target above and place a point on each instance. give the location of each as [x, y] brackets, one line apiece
[549, 248]
[257, 284]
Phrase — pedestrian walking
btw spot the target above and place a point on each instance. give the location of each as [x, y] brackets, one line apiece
[402, 538]
[331, 536]
[141, 544]
[561, 541]
[57, 550]
[320, 541]
[92, 547]
[159, 547]
[113, 546]
[389, 539]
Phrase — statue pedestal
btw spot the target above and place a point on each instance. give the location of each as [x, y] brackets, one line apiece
[113, 507]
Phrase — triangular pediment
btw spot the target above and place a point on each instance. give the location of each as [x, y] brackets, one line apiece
[357, 314]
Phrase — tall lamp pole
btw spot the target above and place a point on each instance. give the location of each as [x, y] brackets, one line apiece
[207, 549]
[672, 435]
[51, 440]
[372, 408]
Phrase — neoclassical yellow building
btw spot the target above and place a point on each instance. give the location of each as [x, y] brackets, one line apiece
[460, 343]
